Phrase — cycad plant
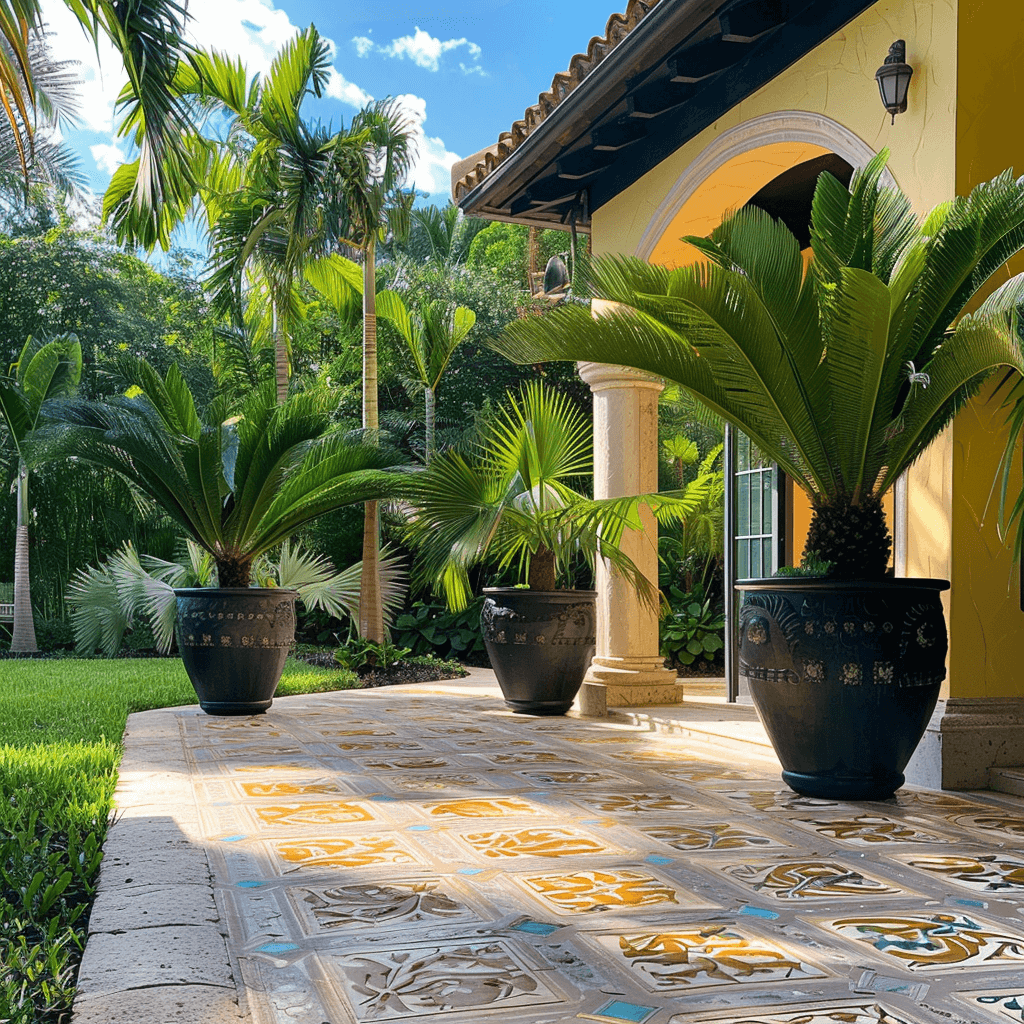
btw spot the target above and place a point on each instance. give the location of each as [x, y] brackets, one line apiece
[517, 499]
[237, 480]
[843, 375]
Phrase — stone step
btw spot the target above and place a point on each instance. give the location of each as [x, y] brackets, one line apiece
[1007, 780]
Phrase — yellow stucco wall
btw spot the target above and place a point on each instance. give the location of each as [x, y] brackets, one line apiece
[963, 97]
[986, 621]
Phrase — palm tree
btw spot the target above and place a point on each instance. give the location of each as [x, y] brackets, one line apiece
[237, 480]
[260, 182]
[372, 204]
[148, 37]
[47, 368]
[431, 334]
[843, 375]
[439, 235]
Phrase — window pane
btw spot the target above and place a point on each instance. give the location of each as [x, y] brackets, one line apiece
[755, 560]
[755, 503]
[742, 560]
[766, 557]
[742, 452]
[742, 506]
[767, 492]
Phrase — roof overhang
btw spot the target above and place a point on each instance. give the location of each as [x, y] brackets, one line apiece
[663, 72]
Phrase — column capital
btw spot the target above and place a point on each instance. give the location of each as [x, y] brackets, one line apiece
[605, 377]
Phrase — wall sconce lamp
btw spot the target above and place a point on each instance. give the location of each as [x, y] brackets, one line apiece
[893, 79]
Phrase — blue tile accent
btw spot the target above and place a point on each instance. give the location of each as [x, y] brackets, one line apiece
[769, 915]
[248, 885]
[535, 927]
[970, 903]
[632, 1012]
[471, 871]
[654, 858]
[418, 828]
[276, 947]
[383, 797]
[233, 839]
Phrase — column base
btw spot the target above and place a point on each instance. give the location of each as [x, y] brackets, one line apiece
[628, 682]
[965, 738]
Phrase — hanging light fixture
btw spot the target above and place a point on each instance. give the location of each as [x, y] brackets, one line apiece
[893, 79]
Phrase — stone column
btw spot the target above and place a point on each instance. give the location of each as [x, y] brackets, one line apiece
[627, 670]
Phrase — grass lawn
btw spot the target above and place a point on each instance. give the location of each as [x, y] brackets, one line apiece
[61, 723]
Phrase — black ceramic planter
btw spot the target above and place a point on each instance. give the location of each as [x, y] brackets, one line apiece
[233, 643]
[540, 644]
[845, 677]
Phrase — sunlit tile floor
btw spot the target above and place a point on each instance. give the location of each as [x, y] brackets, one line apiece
[385, 855]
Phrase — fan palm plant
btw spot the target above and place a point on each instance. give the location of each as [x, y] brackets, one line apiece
[516, 500]
[843, 375]
[106, 599]
[237, 481]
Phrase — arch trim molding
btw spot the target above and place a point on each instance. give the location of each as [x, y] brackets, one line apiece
[779, 126]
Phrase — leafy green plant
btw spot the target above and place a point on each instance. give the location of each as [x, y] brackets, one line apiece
[111, 598]
[843, 374]
[237, 480]
[694, 629]
[360, 655]
[430, 628]
[514, 499]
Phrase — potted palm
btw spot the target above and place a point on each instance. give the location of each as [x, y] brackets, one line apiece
[239, 481]
[842, 375]
[515, 499]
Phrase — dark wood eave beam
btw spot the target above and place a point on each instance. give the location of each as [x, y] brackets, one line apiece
[650, 42]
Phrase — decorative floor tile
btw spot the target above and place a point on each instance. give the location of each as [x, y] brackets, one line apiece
[337, 812]
[404, 763]
[777, 800]
[571, 778]
[707, 955]
[868, 830]
[375, 905]
[314, 787]
[714, 835]
[444, 978]
[703, 773]
[379, 745]
[806, 881]
[934, 942]
[454, 781]
[858, 1013]
[496, 807]
[986, 873]
[995, 823]
[635, 803]
[343, 853]
[533, 842]
[531, 757]
[604, 889]
[1007, 1005]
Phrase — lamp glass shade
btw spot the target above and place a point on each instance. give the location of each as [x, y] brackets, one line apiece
[893, 79]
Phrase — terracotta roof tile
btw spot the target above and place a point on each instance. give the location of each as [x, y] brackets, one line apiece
[564, 83]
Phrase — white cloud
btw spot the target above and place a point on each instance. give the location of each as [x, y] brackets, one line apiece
[340, 88]
[432, 167]
[422, 49]
[108, 157]
[363, 45]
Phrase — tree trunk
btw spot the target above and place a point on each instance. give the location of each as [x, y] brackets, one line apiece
[233, 572]
[542, 570]
[371, 612]
[428, 415]
[280, 356]
[23, 634]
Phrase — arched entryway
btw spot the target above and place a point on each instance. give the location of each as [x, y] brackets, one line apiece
[773, 163]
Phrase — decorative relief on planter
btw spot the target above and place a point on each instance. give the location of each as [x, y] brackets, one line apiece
[879, 638]
[263, 623]
[569, 625]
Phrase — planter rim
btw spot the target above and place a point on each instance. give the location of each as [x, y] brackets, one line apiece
[234, 591]
[551, 595]
[823, 583]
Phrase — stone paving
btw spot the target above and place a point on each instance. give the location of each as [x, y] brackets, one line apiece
[420, 853]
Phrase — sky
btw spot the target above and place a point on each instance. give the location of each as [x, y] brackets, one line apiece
[463, 73]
